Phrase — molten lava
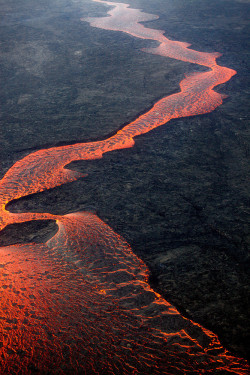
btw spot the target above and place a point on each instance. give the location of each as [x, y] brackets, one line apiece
[81, 303]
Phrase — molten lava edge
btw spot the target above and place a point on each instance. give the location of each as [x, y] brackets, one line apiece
[82, 299]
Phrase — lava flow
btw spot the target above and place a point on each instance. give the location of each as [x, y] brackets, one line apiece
[81, 302]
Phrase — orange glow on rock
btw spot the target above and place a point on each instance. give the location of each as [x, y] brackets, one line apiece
[81, 302]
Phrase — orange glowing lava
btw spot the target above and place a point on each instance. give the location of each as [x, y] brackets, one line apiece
[81, 303]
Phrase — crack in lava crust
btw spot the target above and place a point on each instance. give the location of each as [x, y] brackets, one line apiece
[82, 299]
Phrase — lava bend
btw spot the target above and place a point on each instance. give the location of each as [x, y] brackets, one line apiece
[81, 302]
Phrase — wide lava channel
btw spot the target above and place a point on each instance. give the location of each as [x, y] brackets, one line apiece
[81, 302]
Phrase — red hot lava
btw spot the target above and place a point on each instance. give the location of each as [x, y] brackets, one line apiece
[81, 303]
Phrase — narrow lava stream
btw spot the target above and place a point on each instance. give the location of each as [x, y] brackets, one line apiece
[81, 303]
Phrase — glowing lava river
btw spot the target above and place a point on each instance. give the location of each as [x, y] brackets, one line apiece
[81, 302]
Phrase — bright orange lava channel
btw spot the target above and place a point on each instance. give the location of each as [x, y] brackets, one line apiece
[81, 303]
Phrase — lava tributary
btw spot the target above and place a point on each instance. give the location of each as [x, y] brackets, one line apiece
[81, 303]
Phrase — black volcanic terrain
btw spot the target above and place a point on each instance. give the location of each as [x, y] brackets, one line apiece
[180, 196]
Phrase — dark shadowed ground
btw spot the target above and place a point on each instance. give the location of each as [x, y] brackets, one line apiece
[180, 196]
